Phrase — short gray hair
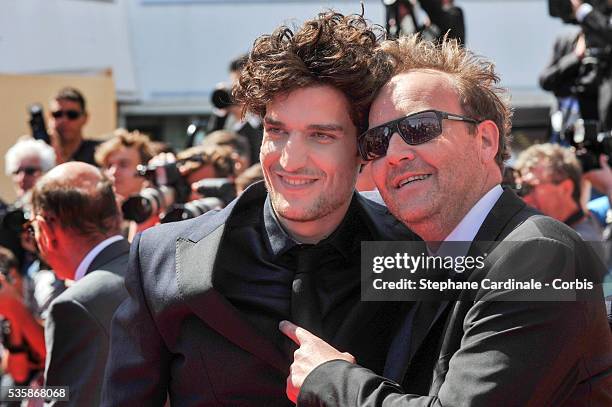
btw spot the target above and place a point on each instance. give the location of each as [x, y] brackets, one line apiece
[29, 147]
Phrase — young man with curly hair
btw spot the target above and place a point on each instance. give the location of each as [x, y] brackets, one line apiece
[206, 296]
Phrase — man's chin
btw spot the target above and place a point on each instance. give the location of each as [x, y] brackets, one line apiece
[298, 214]
[296, 211]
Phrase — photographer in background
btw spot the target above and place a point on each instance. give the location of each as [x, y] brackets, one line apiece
[550, 179]
[597, 26]
[240, 144]
[200, 162]
[120, 156]
[171, 179]
[67, 118]
[227, 114]
[560, 77]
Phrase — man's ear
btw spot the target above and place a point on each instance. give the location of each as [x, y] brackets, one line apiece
[489, 136]
[47, 232]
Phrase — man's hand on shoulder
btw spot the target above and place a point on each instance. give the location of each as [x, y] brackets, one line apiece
[312, 352]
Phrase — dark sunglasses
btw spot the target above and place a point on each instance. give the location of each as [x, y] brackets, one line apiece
[524, 189]
[414, 129]
[70, 114]
[27, 170]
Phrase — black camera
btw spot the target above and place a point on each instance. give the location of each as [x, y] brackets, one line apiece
[37, 123]
[217, 193]
[221, 188]
[169, 187]
[221, 98]
[589, 142]
[14, 219]
[178, 212]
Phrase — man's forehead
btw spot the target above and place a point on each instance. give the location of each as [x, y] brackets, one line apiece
[64, 103]
[415, 91]
[540, 170]
[313, 106]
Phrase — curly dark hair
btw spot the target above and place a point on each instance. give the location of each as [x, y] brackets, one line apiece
[331, 49]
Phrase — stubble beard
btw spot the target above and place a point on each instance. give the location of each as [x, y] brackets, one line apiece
[315, 209]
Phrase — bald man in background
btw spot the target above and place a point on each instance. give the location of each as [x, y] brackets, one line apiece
[76, 226]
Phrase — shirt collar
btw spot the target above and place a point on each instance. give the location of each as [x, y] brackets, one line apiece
[466, 230]
[279, 240]
[89, 258]
[341, 239]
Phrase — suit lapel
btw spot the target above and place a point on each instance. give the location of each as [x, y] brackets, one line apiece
[194, 267]
[499, 218]
[496, 224]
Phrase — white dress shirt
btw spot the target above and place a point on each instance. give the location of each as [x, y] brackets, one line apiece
[466, 230]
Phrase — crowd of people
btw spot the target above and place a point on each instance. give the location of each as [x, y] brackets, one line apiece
[135, 274]
[84, 184]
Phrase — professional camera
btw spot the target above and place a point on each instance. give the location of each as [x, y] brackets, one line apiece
[221, 188]
[217, 193]
[178, 212]
[589, 142]
[221, 98]
[37, 123]
[14, 218]
[169, 187]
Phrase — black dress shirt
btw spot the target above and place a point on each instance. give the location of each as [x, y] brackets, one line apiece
[257, 263]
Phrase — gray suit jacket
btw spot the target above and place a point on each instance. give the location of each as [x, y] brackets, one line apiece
[494, 353]
[78, 327]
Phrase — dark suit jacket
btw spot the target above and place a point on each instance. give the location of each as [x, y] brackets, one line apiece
[562, 72]
[493, 353]
[599, 27]
[177, 335]
[77, 329]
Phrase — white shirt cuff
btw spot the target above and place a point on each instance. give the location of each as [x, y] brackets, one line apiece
[582, 11]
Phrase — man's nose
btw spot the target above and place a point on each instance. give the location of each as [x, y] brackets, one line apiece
[294, 154]
[399, 150]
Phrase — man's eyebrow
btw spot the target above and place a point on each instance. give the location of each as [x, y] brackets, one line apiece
[273, 122]
[320, 127]
[326, 127]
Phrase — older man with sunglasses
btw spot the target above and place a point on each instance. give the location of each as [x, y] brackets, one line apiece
[437, 142]
[66, 121]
